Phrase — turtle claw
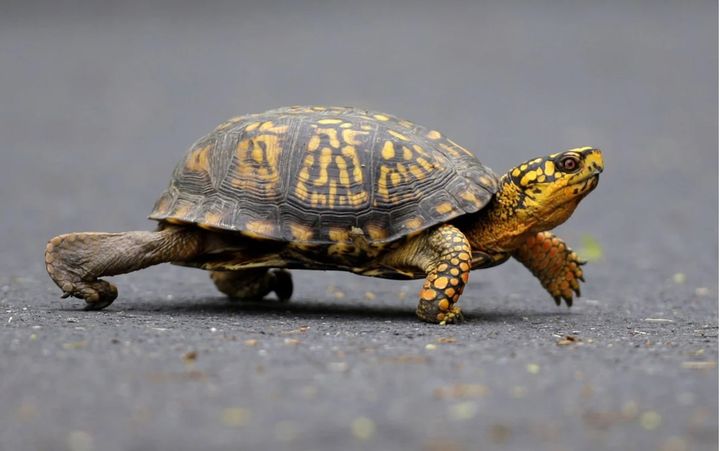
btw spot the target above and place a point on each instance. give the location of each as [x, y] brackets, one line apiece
[97, 294]
[454, 316]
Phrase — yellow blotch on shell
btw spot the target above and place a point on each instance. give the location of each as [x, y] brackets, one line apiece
[329, 121]
[382, 184]
[332, 193]
[434, 134]
[407, 154]
[343, 174]
[313, 143]
[350, 152]
[332, 135]
[470, 197]
[357, 199]
[181, 211]
[416, 171]
[395, 178]
[414, 223]
[388, 150]
[339, 235]
[197, 159]
[318, 199]
[376, 232]
[381, 117]
[516, 172]
[269, 126]
[398, 135]
[467, 152]
[443, 208]
[425, 164]
[304, 175]
[351, 136]
[257, 153]
[301, 232]
[252, 126]
[260, 228]
[301, 190]
[324, 162]
[210, 220]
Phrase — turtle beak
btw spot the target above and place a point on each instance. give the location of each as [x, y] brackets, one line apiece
[594, 161]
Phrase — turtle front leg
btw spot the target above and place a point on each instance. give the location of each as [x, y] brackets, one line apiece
[444, 255]
[254, 284]
[75, 261]
[554, 264]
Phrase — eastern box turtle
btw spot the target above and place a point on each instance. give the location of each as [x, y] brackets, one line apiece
[337, 188]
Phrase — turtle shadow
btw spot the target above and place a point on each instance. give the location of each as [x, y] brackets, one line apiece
[311, 309]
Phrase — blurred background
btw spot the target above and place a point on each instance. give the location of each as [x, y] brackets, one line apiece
[99, 100]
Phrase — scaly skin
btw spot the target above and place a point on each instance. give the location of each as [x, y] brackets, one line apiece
[75, 261]
[448, 273]
[554, 264]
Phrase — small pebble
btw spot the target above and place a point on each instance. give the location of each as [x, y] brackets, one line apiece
[533, 368]
[431, 347]
[463, 410]
[363, 428]
[679, 278]
[235, 416]
[650, 420]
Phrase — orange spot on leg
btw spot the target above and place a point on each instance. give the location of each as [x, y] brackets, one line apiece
[427, 295]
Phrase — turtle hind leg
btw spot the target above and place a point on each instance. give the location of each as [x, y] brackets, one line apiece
[254, 284]
[76, 261]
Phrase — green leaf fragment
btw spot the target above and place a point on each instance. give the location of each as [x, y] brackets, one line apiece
[590, 248]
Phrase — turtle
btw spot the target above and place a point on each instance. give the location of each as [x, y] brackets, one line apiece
[342, 188]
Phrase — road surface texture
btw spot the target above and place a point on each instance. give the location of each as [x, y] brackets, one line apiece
[98, 101]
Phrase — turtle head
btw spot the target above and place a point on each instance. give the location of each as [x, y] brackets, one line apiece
[546, 190]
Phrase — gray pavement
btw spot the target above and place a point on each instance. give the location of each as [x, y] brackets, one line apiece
[97, 103]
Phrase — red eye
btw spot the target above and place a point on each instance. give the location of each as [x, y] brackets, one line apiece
[570, 163]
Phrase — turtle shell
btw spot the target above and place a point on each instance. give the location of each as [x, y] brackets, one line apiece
[324, 175]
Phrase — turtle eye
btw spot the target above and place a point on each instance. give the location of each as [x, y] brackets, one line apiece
[569, 163]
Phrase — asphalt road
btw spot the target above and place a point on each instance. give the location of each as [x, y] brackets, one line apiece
[97, 103]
